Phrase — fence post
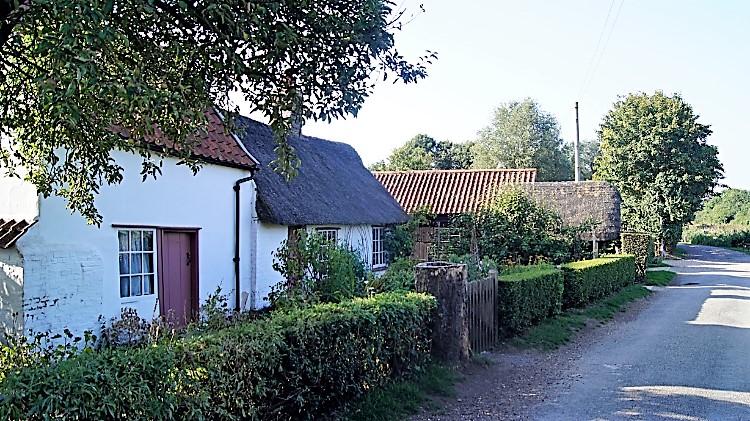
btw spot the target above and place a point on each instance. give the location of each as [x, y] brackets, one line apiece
[447, 282]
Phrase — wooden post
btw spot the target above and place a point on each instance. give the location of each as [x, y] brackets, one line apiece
[450, 332]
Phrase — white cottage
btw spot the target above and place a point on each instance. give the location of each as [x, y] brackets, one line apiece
[164, 245]
[333, 194]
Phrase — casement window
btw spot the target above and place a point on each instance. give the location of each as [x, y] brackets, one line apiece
[328, 234]
[137, 252]
[378, 247]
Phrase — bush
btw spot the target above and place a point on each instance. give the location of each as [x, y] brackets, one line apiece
[720, 235]
[316, 270]
[398, 277]
[297, 364]
[513, 229]
[476, 269]
[640, 245]
[526, 298]
[588, 280]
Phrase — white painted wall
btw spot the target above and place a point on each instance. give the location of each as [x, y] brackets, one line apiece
[177, 199]
[11, 290]
[18, 199]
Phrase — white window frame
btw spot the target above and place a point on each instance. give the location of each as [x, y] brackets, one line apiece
[378, 248]
[128, 255]
[329, 234]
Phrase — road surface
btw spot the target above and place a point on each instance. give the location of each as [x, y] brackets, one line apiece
[685, 357]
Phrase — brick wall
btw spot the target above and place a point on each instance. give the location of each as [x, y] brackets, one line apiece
[11, 289]
[62, 288]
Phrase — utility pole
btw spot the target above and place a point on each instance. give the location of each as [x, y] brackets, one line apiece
[575, 149]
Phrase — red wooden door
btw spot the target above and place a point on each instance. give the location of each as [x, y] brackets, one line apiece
[178, 276]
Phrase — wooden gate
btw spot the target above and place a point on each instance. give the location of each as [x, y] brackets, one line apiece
[482, 312]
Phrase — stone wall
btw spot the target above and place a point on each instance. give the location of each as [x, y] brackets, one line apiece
[581, 202]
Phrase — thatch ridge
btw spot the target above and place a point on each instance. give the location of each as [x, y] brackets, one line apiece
[579, 202]
[332, 185]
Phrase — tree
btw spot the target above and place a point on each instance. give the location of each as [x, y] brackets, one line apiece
[655, 152]
[423, 152]
[521, 135]
[732, 206]
[72, 69]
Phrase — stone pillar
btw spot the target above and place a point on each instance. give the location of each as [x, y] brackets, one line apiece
[450, 330]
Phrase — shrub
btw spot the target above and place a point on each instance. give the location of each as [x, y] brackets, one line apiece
[514, 229]
[316, 270]
[526, 298]
[398, 277]
[297, 364]
[399, 239]
[719, 235]
[476, 269]
[640, 245]
[588, 280]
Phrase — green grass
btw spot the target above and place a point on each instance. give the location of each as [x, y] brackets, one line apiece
[680, 253]
[659, 277]
[557, 331]
[659, 264]
[399, 400]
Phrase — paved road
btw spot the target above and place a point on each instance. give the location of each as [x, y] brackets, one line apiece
[686, 357]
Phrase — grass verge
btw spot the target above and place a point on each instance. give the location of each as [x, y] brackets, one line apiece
[398, 400]
[659, 277]
[558, 331]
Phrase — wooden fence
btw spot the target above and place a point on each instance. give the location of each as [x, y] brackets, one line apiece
[482, 312]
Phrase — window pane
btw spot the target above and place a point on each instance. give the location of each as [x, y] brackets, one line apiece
[148, 262]
[135, 263]
[148, 284]
[135, 240]
[124, 286]
[122, 237]
[148, 241]
[135, 285]
[124, 264]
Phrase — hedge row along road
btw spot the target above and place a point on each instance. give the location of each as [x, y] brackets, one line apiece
[686, 356]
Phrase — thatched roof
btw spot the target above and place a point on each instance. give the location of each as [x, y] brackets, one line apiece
[449, 192]
[580, 202]
[332, 185]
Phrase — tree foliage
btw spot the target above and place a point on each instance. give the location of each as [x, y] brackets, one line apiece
[588, 151]
[423, 152]
[732, 206]
[522, 135]
[72, 69]
[655, 152]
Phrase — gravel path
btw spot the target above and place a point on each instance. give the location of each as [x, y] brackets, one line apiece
[681, 354]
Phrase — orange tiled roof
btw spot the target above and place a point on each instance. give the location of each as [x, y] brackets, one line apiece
[216, 145]
[449, 191]
[12, 230]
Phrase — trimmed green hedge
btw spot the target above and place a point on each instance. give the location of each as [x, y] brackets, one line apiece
[640, 245]
[588, 280]
[526, 298]
[300, 364]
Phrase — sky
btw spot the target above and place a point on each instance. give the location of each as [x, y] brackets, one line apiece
[491, 52]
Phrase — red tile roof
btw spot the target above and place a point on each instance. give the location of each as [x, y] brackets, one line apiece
[12, 230]
[217, 145]
[449, 192]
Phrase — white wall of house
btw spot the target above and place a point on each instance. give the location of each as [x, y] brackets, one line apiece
[269, 239]
[71, 268]
[18, 199]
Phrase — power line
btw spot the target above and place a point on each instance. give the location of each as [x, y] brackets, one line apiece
[596, 49]
[611, 29]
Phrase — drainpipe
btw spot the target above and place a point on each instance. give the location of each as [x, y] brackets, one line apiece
[237, 238]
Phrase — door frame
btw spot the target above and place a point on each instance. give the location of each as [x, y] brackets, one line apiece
[194, 268]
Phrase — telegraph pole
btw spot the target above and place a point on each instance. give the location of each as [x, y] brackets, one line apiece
[575, 149]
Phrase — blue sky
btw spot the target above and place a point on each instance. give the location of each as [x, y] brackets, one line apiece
[491, 52]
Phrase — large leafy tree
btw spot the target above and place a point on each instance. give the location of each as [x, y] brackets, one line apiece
[732, 206]
[654, 150]
[72, 69]
[588, 150]
[423, 152]
[522, 135]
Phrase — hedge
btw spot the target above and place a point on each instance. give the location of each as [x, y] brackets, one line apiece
[300, 364]
[526, 298]
[588, 280]
[640, 245]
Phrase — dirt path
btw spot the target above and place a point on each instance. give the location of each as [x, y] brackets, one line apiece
[681, 353]
[516, 382]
